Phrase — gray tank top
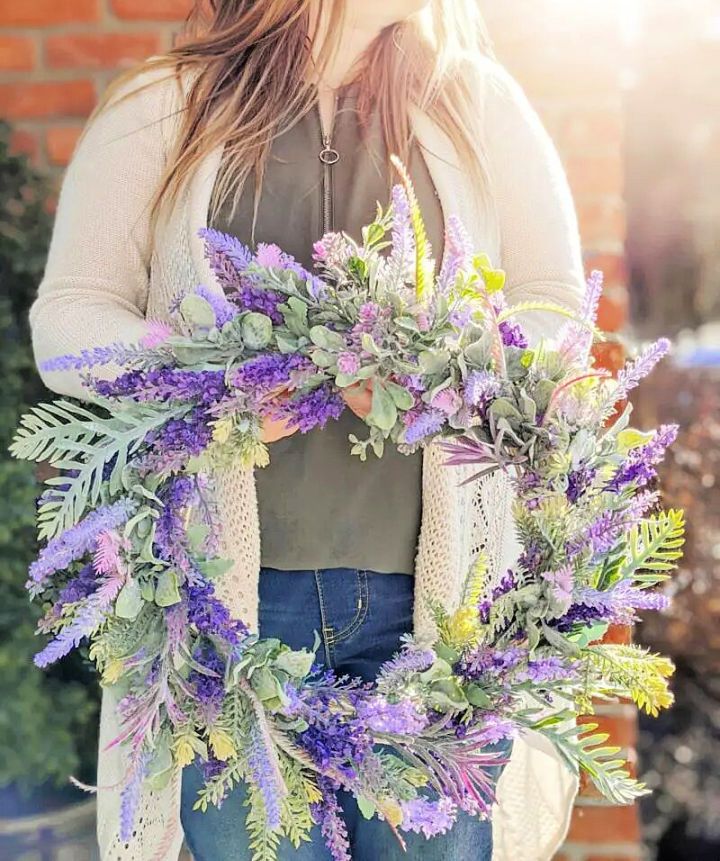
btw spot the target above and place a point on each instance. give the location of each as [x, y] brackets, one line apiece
[319, 506]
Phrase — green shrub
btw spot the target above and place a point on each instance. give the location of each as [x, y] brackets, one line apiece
[47, 720]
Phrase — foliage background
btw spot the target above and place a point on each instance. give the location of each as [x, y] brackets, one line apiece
[47, 722]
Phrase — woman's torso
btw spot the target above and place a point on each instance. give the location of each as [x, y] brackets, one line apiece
[320, 507]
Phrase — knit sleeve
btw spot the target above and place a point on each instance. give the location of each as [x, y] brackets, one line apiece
[539, 238]
[95, 285]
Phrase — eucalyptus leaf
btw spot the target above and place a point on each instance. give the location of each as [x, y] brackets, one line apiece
[166, 590]
[383, 413]
[400, 395]
[129, 601]
[433, 361]
[197, 312]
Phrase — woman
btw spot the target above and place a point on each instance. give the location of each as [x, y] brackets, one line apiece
[275, 120]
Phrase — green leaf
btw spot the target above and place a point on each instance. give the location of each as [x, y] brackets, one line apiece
[166, 590]
[655, 544]
[366, 807]
[197, 312]
[130, 600]
[326, 339]
[383, 413]
[214, 568]
[401, 396]
[257, 330]
[295, 663]
[433, 361]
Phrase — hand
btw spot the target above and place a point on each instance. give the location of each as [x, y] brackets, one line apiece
[359, 397]
[276, 429]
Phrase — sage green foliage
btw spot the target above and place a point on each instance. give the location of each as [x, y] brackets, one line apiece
[46, 720]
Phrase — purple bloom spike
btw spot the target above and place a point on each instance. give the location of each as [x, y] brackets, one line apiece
[430, 818]
[332, 825]
[635, 371]
[77, 541]
[458, 250]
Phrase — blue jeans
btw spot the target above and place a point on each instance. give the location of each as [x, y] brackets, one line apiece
[360, 616]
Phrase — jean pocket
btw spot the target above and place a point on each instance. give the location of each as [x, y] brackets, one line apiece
[361, 601]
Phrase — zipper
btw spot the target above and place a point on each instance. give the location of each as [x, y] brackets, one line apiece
[328, 157]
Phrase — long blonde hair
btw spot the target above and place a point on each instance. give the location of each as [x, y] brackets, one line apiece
[254, 75]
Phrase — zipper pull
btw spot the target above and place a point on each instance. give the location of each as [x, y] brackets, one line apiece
[327, 154]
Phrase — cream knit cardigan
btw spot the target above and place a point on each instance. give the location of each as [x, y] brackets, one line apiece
[107, 271]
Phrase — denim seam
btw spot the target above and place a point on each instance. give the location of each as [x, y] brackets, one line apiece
[362, 611]
[328, 633]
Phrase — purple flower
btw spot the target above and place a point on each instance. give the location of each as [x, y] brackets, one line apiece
[423, 425]
[88, 616]
[165, 385]
[480, 387]
[328, 815]
[410, 660]
[210, 616]
[550, 669]
[348, 363]
[639, 466]
[635, 371]
[177, 440]
[227, 256]
[223, 309]
[266, 372]
[130, 795]
[512, 335]
[401, 718]
[209, 688]
[458, 250]
[77, 541]
[257, 298]
[430, 818]
[402, 253]
[118, 354]
[308, 411]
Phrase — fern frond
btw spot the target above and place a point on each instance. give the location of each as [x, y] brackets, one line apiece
[524, 307]
[655, 545]
[475, 583]
[582, 747]
[634, 671]
[74, 438]
[423, 262]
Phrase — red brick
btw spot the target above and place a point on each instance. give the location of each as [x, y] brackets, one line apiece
[25, 141]
[45, 13]
[17, 53]
[99, 50]
[597, 175]
[152, 10]
[46, 99]
[611, 265]
[613, 310]
[60, 143]
[622, 730]
[614, 857]
[594, 130]
[604, 824]
[609, 355]
[602, 221]
[618, 634]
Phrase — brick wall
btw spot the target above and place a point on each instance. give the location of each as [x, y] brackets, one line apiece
[57, 55]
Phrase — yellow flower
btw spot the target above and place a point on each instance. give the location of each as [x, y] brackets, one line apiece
[261, 456]
[222, 429]
[392, 811]
[463, 626]
[312, 792]
[222, 744]
[113, 671]
[184, 751]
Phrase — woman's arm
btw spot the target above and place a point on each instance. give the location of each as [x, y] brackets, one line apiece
[95, 286]
[539, 238]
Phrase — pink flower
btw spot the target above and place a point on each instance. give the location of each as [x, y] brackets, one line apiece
[157, 333]
[423, 321]
[448, 401]
[348, 363]
[269, 255]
